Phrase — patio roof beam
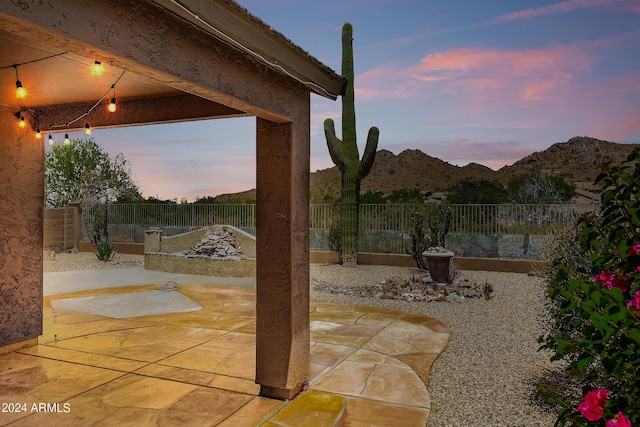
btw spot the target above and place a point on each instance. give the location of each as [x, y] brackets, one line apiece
[249, 33]
[170, 109]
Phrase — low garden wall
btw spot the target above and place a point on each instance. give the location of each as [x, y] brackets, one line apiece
[168, 253]
[205, 267]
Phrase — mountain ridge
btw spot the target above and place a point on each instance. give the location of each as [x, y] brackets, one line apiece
[577, 160]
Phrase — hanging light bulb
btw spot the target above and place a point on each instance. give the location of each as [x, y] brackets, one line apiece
[38, 134]
[20, 91]
[97, 67]
[67, 141]
[87, 129]
[112, 105]
[22, 123]
[51, 141]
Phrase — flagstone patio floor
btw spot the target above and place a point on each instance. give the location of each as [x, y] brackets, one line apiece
[106, 360]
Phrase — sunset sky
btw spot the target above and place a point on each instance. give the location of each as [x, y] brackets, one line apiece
[465, 81]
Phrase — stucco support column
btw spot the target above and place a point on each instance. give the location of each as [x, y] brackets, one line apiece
[282, 307]
[21, 221]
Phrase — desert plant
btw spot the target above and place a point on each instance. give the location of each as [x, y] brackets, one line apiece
[98, 224]
[105, 250]
[418, 241]
[439, 223]
[595, 308]
[487, 290]
[344, 154]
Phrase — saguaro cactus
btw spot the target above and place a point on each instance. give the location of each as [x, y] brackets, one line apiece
[344, 154]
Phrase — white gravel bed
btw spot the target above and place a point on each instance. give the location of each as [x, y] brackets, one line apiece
[486, 376]
[89, 261]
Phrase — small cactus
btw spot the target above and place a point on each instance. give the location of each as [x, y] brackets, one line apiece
[344, 154]
[439, 223]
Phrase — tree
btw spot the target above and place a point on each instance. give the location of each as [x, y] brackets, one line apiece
[476, 191]
[407, 195]
[344, 154]
[82, 171]
[537, 187]
[371, 197]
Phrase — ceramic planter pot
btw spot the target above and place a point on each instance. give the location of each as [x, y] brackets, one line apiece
[439, 265]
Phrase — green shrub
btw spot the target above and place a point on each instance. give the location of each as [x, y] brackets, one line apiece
[105, 250]
[595, 308]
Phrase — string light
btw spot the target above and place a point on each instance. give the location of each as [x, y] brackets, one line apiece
[112, 105]
[97, 67]
[20, 91]
[87, 128]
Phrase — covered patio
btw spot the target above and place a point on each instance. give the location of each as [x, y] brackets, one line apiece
[163, 61]
[168, 61]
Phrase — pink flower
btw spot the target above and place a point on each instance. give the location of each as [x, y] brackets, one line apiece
[619, 421]
[634, 250]
[612, 281]
[593, 406]
[635, 302]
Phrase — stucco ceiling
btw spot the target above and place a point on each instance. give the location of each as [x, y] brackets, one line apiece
[183, 61]
[64, 79]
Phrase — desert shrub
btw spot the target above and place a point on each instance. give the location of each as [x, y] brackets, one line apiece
[594, 301]
[104, 250]
[418, 240]
[440, 218]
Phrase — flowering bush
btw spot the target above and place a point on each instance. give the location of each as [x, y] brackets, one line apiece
[595, 324]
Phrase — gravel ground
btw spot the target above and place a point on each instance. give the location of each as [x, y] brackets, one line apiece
[486, 376]
[89, 261]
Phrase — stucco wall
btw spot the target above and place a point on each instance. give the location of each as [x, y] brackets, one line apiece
[202, 266]
[21, 213]
[160, 259]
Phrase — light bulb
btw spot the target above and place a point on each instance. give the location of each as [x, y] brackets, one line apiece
[38, 134]
[51, 141]
[66, 139]
[112, 105]
[22, 123]
[20, 91]
[87, 129]
[97, 67]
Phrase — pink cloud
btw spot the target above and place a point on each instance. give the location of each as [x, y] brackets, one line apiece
[472, 73]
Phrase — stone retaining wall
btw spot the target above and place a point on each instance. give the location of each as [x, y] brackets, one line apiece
[202, 266]
[160, 254]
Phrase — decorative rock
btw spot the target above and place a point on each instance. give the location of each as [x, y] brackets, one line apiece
[414, 288]
[454, 298]
[217, 244]
[471, 294]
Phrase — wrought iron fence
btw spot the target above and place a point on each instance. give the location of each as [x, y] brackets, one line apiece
[382, 228]
[126, 223]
